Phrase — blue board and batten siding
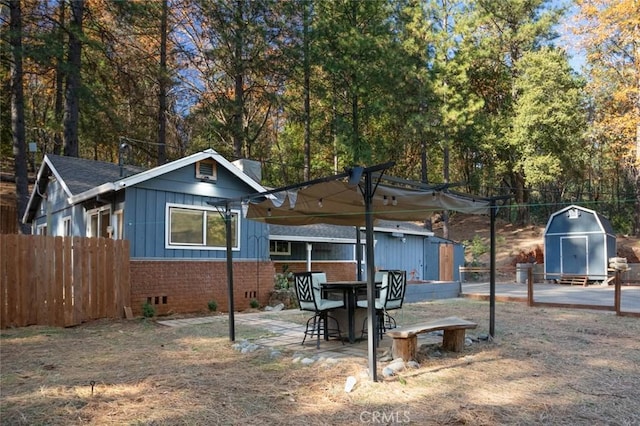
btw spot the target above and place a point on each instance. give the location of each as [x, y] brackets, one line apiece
[417, 254]
[578, 241]
[146, 215]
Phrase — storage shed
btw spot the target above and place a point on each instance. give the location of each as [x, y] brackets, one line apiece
[578, 241]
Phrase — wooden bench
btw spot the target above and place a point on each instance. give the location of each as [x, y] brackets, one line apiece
[405, 339]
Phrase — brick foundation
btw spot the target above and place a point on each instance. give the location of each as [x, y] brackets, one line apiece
[336, 271]
[186, 286]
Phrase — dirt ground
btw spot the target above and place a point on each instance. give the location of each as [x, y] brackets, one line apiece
[545, 366]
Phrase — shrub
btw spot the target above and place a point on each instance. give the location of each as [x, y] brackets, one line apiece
[213, 305]
[254, 304]
[148, 311]
[283, 280]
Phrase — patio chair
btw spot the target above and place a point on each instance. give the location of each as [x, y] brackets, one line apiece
[308, 291]
[392, 289]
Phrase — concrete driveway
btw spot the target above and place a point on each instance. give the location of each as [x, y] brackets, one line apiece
[596, 295]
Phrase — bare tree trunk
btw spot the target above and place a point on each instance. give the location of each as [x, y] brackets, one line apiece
[17, 114]
[59, 101]
[162, 88]
[424, 168]
[307, 105]
[72, 92]
[238, 104]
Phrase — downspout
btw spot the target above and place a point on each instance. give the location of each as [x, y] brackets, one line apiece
[309, 247]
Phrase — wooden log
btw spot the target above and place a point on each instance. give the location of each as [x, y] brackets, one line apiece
[405, 348]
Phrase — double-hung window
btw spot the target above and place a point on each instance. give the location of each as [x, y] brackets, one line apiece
[193, 227]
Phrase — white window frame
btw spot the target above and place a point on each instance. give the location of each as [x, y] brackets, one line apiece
[277, 252]
[195, 246]
[66, 230]
[41, 229]
[98, 211]
[118, 224]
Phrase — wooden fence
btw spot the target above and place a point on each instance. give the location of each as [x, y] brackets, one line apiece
[62, 281]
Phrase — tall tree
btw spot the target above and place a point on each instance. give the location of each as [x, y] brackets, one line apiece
[503, 32]
[235, 55]
[610, 32]
[356, 45]
[548, 136]
[17, 112]
[162, 87]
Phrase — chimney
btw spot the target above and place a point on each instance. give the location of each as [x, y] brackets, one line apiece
[251, 168]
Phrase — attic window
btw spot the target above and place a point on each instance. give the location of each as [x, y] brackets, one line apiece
[206, 170]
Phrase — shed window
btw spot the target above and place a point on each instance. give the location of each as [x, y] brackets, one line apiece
[573, 213]
[197, 228]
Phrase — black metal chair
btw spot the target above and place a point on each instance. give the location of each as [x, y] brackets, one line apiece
[309, 293]
[392, 290]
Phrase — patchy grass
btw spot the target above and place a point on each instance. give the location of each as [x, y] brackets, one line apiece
[550, 366]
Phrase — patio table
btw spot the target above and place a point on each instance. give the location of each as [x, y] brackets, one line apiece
[350, 291]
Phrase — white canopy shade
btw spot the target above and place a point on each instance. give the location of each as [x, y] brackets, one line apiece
[337, 203]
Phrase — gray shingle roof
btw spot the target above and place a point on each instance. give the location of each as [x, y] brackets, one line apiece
[80, 175]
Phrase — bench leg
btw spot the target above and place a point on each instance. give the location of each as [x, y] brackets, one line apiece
[453, 340]
[405, 348]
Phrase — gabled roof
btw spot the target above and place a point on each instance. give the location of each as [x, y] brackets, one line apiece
[83, 179]
[603, 223]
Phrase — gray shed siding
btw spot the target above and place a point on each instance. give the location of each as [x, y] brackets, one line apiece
[578, 244]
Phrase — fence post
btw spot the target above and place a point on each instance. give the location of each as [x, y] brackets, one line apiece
[530, 286]
[616, 299]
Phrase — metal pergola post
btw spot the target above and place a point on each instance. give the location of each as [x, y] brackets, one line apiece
[227, 222]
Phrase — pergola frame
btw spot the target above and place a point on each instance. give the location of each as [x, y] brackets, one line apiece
[367, 180]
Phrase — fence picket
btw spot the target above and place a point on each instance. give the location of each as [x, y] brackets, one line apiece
[67, 281]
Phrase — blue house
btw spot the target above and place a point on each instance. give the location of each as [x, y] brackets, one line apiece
[578, 241]
[177, 239]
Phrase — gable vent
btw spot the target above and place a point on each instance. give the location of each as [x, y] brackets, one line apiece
[206, 170]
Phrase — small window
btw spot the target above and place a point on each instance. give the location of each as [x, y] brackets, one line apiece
[66, 226]
[279, 247]
[206, 170]
[41, 229]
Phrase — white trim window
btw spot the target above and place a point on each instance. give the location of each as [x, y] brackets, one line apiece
[41, 229]
[66, 226]
[99, 222]
[281, 248]
[199, 228]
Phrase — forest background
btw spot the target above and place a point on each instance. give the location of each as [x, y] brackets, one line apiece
[477, 94]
